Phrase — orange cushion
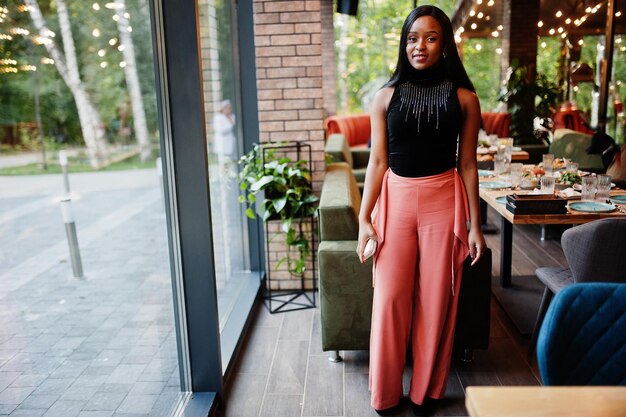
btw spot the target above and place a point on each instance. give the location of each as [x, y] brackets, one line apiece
[571, 119]
[355, 127]
[496, 123]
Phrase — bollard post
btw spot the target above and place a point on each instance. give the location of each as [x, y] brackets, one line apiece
[66, 179]
[72, 239]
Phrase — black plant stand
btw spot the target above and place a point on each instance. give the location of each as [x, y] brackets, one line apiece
[280, 301]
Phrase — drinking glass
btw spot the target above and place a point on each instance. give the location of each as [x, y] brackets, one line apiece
[548, 163]
[516, 174]
[588, 190]
[603, 188]
[572, 167]
[547, 184]
[499, 163]
[506, 145]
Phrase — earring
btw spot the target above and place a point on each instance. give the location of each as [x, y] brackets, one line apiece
[444, 54]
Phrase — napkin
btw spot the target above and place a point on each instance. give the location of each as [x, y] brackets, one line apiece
[538, 191]
[569, 193]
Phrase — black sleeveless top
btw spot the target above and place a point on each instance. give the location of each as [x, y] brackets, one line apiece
[423, 123]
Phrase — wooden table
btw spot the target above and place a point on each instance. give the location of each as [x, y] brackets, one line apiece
[540, 401]
[516, 156]
[508, 219]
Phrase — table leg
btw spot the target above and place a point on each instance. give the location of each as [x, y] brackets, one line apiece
[487, 229]
[506, 249]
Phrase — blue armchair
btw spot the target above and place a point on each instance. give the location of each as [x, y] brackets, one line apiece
[583, 337]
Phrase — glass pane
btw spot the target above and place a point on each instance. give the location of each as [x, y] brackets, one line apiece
[92, 332]
[224, 143]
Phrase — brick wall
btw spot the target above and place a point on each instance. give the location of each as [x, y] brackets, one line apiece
[519, 34]
[295, 85]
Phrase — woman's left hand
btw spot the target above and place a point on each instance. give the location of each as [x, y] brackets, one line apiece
[477, 244]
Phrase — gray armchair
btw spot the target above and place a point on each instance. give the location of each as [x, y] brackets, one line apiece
[595, 252]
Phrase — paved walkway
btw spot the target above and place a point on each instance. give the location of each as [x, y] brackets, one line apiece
[100, 346]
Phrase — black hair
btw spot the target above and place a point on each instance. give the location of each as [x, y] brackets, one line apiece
[451, 62]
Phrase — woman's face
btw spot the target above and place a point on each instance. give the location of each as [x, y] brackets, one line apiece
[424, 42]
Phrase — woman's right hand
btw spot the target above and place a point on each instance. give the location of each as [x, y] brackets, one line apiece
[366, 231]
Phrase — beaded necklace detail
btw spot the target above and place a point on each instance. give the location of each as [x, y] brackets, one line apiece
[427, 99]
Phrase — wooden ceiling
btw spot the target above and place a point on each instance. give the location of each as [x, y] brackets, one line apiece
[483, 18]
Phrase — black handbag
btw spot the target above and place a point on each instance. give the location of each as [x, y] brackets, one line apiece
[474, 312]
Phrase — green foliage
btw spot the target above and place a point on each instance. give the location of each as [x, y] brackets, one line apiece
[480, 59]
[106, 85]
[519, 93]
[288, 196]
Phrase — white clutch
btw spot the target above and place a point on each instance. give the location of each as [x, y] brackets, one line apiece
[370, 248]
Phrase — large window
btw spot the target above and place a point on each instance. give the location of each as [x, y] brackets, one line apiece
[88, 331]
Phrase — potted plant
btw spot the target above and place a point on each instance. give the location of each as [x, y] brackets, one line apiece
[527, 99]
[279, 188]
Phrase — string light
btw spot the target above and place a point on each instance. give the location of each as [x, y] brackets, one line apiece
[41, 40]
[552, 31]
[478, 47]
[28, 68]
[103, 64]
[115, 17]
[127, 15]
[121, 48]
[8, 69]
[495, 33]
[472, 13]
[20, 31]
[112, 41]
[23, 8]
[568, 21]
[618, 14]
[499, 51]
[96, 33]
[95, 6]
[500, 27]
[474, 26]
[581, 42]
[47, 61]
[8, 62]
[123, 64]
[130, 28]
[539, 24]
[490, 3]
[480, 15]
[101, 53]
[5, 37]
[560, 30]
[559, 13]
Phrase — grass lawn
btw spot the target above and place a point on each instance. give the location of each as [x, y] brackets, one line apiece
[77, 165]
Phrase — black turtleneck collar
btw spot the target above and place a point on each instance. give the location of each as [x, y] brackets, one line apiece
[431, 75]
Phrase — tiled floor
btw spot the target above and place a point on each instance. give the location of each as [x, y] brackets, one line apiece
[282, 371]
[100, 346]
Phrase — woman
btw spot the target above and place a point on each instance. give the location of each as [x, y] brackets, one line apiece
[424, 194]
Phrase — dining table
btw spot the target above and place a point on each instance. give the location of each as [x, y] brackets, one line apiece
[508, 219]
[546, 401]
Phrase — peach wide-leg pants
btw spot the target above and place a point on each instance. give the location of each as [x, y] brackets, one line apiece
[421, 224]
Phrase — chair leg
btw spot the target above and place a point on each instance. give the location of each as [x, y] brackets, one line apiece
[543, 309]
[335, 357]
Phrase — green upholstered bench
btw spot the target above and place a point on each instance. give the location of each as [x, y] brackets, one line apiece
[345, 284]
[338, 150]
[572, 144]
